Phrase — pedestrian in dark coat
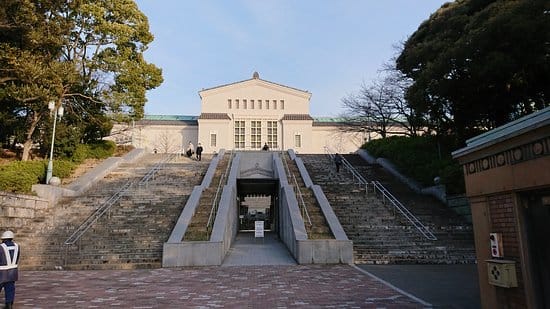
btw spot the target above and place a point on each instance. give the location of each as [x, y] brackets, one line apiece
[337, 162]
[199, 151]
[9, 258]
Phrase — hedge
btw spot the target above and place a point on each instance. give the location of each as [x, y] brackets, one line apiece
[421, 158]
[19, 176]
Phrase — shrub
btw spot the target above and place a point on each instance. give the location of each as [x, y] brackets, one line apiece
[422, 158]
[101, 149]
[19, 176]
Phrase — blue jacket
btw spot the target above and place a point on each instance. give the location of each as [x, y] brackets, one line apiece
[9, 259]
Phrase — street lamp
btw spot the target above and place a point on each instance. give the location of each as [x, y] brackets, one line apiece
[56, 111]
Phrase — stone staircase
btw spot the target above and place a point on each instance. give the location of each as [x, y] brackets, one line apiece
[129, 235]
[198, 229]
[379, 233]
[318, 228]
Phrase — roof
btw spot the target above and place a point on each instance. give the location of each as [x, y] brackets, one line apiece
[297, 117]
[333, 121]
[168, 120]
[222, 116]
[512, 129]
[255, 76]
[170, 117]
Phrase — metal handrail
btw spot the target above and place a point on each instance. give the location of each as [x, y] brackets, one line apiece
[305, 212]
[360, 179]
[96, 215]
[152, 172]
[299, 193]
[216, 202]
[386, 195]
[404, 211]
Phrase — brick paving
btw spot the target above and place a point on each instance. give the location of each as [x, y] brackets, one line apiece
[303, 286]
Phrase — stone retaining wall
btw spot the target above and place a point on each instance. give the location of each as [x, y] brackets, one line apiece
[17, 210]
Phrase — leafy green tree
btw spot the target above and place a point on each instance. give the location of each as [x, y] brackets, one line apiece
[477, 64]
[86, 55]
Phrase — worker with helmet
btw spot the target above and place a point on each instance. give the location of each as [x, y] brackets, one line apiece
[9, 257]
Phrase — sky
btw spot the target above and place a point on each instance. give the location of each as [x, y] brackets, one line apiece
[327, 47]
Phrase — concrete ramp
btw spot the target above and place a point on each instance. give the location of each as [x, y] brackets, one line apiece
[248, 250]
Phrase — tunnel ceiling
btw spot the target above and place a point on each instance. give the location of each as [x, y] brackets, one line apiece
[256, 186]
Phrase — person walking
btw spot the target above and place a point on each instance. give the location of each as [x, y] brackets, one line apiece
[190, 149]
[266, 147]
[9, 257]
[337, 162]
[199, 151]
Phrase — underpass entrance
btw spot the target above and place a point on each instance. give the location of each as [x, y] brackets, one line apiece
[257, 202]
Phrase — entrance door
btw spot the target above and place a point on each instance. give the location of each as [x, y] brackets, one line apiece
[257, 202]
[537, 225]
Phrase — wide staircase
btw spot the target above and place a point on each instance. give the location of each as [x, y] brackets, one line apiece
[200, 227]
[380, 234]
[138, 204]
[314, 219]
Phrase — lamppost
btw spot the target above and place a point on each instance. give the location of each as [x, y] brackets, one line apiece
[56, 111]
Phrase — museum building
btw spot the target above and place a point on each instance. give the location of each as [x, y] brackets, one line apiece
[244, 115]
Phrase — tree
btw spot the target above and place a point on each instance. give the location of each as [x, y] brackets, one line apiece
[477, 64]
[381, 107]
[86, 55]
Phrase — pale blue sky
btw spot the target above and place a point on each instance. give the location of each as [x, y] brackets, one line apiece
[328, 48]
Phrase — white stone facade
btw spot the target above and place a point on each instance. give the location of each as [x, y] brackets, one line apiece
[243, 116]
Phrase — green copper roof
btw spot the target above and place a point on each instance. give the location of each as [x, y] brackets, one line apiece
[170, 117]
[331, 119]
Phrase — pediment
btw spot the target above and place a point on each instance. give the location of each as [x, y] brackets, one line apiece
[255, 85]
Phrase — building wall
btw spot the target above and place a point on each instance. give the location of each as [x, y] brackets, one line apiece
[336, 140]
[162, 138]
[255, 97]
[497, 177]
[298, 135]
[249, 100]
[223, 131]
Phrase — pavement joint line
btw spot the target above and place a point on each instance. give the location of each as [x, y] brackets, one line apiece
[425, 303]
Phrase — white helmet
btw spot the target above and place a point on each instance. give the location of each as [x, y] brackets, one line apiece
[7, 235]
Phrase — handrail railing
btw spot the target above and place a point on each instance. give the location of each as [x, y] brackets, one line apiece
[153, 171]
[356, 176]
[98, 213]
[216, 202]
[297, 190]
[387, 196]
[404, 211]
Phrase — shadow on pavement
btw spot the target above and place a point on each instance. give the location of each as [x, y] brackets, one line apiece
[444, 286]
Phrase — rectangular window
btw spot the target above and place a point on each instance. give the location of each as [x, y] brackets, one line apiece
[244, 104]
[237, 104]
[282, 104]
[272, 134]
[274, 104]
[259, 104]
[229, 103]
[239, 134]
[213, 139]
[256, 134]
[266, 104]
[297, 141]
[251, 104]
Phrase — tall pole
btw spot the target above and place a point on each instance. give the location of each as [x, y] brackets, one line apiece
[49, 171]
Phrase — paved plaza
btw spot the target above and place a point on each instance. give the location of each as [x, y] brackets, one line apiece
[256, 273]
[280, 286]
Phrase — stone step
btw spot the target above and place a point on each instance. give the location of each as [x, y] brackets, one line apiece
[375, 226]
